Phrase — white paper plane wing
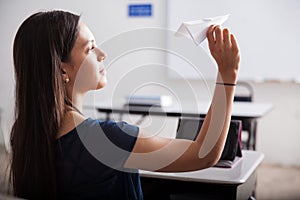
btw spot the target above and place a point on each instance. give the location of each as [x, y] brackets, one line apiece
[197, 29]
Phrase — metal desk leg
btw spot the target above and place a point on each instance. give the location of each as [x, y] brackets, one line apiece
[254, 127]
[107, 116]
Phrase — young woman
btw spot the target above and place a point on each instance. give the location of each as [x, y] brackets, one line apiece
[58, 153]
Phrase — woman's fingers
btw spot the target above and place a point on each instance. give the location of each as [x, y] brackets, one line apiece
[224, 49]
[226, 37]
[219, 36]
[233, 42]
[210, 34]
[216, 35]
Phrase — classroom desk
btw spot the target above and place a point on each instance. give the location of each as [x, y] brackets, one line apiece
[245, 111]
[212, 183]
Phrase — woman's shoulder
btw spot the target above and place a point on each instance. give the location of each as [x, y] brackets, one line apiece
[110, 126]
[74, 120]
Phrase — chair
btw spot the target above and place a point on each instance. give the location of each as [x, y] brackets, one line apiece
[188, 128]
[244, 93]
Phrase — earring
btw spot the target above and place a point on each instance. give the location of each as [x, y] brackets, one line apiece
[67, 80]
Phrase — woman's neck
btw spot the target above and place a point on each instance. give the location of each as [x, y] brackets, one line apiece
[77, 101]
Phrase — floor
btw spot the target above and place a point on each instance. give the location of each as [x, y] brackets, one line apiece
[274, 182]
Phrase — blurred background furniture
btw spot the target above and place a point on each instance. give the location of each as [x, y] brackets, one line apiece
[244, 93]
[212, 183]
[247, 112]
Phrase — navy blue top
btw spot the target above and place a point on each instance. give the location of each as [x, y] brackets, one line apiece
[90, 160]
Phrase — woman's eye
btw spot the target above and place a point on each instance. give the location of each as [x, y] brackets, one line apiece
[91, 49]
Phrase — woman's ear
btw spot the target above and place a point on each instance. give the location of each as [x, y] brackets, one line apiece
[64, 72]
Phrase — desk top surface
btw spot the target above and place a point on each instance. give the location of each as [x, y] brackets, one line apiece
[240, 109]
[236, 175]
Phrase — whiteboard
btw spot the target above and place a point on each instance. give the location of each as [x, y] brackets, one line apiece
[268, 33]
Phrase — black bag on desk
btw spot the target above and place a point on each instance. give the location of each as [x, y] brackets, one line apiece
[188, 128]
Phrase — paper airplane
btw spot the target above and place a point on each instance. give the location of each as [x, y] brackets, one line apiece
[197, 29]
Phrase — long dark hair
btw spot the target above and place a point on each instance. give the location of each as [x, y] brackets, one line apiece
[42, 42]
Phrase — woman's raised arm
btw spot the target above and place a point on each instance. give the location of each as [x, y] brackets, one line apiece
[176, 155]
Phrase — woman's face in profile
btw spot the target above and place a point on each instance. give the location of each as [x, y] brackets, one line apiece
[86, 61]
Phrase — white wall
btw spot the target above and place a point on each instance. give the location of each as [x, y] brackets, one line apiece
[278, 132]
[269, 23]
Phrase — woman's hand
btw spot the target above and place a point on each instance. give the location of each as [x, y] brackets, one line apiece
[224, 49]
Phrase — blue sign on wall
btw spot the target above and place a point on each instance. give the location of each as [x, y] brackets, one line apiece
[140, 10]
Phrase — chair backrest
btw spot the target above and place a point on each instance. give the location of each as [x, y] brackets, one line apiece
[188, 128]
[244, 92]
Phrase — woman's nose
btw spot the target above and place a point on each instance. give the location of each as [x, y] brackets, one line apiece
[101, 55]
